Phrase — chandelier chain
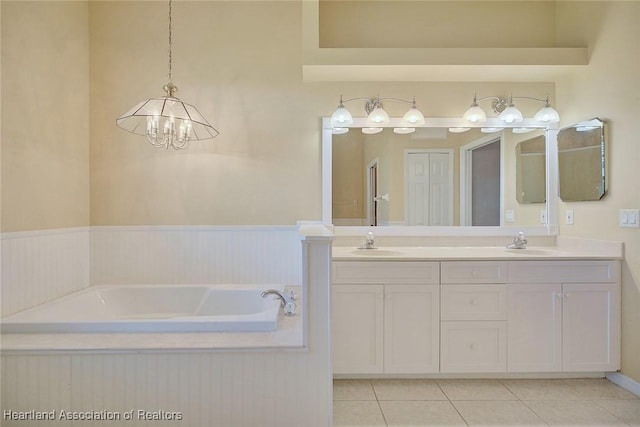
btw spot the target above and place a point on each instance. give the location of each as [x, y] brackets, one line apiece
[170, 44]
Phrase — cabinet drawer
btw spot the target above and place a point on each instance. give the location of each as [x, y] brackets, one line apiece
[564, 271]
[473, 347]
[385, 272]
[474, 302]
[474, 272]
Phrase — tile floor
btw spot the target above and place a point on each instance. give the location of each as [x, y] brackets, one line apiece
[488, 403]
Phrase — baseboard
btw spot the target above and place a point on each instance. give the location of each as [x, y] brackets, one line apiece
[625, 382]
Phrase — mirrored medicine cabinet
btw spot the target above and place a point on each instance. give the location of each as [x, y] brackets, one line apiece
[582, 161]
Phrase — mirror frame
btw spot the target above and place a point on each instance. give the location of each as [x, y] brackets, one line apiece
[551, 206]
[604, 158]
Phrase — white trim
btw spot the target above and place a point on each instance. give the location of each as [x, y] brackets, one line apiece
[46, 232]
[625, 382]
[367, 196]
[394, 230]
[195, 228]
[327, 174]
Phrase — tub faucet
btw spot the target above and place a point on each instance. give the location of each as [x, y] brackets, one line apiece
[519, 242]
[285, 302]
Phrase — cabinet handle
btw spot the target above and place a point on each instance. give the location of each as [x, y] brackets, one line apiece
[559, 295]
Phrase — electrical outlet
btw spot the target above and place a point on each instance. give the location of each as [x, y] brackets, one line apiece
[630, 218]
[568, 217]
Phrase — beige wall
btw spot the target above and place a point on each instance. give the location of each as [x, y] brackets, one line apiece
[240, 63]
[45, 115]
[410, 24]
[608, 89]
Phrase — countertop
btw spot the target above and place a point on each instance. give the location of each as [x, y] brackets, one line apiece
[460, 253]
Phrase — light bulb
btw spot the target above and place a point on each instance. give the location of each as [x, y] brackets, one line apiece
[378, 116]
[547, 114]
[341, 117]
[413, 116]
[339, 131]
[511, 115]
[371, 131]
[403, 131]
[475, 114]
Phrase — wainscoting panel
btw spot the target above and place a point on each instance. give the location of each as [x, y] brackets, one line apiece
[189, 255]
[206, 389]
[38, 266]
[212, 388]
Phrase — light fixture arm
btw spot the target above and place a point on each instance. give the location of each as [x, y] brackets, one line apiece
[508, 111]
[372, 103]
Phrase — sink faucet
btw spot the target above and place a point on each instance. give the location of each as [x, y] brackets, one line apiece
[285, 302]
[519, 242]
[369, 242]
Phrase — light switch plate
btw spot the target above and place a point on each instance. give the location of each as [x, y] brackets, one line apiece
[630, 218]
[509, 215]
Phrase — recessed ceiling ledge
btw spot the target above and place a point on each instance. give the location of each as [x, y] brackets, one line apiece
[447, 56]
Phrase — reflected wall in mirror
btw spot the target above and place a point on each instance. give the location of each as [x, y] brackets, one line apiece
[531, 185]
[430, 177]
[582, 162]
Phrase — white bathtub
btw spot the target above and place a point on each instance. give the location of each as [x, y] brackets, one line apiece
[152, 308]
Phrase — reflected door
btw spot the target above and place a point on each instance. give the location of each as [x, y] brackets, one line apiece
[428, 192]
[485, 188]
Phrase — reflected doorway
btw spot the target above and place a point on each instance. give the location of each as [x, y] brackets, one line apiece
[481, 189]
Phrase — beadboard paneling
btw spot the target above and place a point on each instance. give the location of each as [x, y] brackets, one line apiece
[209, 389]
[38, 266]
[183, 255]
[251, 388]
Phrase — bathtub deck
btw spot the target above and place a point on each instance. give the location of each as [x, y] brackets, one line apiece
[289, 335]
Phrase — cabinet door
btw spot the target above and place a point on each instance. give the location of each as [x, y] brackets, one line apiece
[411, 329]
[591, 327]
[534, 328]
[357, 328]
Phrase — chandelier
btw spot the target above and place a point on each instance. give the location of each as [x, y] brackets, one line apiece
[166, 121]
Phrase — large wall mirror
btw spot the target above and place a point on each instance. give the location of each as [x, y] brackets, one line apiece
[531, 174]
[434, 177]
[582, 161]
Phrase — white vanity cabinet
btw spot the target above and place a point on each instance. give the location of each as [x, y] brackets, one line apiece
[394, 327]
[474, 316]
[564, 316]
[357, 315]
